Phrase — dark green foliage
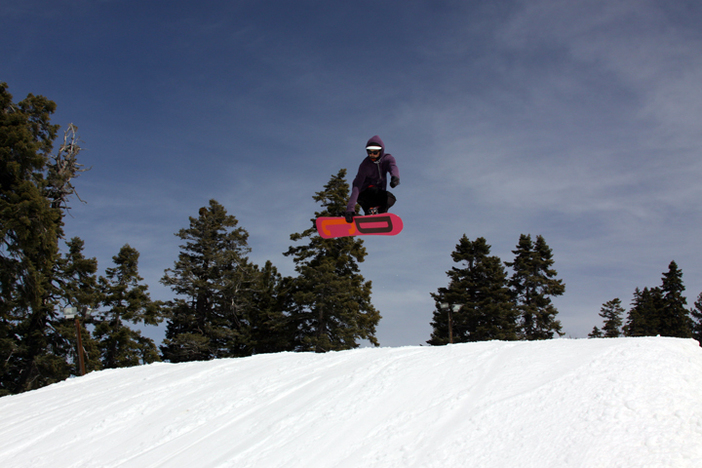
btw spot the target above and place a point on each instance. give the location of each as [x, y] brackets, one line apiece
[612, 312]
[78, 281]
[674, 316]
[31, 350]
[661, 310]
[224, 309]
[696, 314]
[479, 293]
[331, 303]
[78, 285]
[533, 283]
[126, 300]
[271, 329]
[643, 318]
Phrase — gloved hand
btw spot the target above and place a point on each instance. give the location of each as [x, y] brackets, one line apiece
[394, 181]
[349, 216]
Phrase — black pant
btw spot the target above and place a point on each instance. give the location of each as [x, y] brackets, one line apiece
[373, 196]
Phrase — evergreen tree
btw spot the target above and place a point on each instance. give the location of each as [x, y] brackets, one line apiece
[612, 313]
[595, 333]
[661, 310]
[479, 292]
[696, 314]
[331, 303]
[79, 288]
[34, 188]
[533, 282]
[126, 300]
[271, 330]
[213, 317]
[644, 315]
[674, 317]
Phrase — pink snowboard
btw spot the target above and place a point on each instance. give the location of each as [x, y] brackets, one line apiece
[384, 224]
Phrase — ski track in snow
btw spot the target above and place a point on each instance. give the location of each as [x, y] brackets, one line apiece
[629, 402]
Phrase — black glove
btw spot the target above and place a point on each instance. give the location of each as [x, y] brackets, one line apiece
[349, 216]
[394, 181]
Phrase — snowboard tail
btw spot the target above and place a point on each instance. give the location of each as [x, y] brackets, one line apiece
[384, 224]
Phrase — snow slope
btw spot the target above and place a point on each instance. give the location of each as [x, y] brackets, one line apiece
[630, 402]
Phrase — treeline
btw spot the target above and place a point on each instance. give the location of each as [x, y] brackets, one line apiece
[224, 305]
[482, 302]
[661, 310]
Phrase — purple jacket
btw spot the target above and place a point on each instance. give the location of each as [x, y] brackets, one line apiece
[373, 174]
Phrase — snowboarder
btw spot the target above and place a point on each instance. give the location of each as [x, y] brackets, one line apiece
[369, 188]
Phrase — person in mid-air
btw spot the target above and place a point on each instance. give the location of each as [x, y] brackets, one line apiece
[369, 188]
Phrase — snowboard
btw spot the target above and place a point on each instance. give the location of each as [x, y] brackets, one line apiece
[383, 224]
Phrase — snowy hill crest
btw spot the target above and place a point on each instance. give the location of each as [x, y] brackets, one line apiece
[584, 403]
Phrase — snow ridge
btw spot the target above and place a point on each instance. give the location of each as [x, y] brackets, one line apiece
[628, 402]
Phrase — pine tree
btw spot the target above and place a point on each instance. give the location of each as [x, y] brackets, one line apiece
[479, 293]
[533, 282]
[126, 300]
[331, 302]
[644, 315]
[34, 187]
[612, 313]
[595, 333]
[696, 314]
[661, 310]
[271, 329]
[674, 316]
[214, 279]
[79, 288]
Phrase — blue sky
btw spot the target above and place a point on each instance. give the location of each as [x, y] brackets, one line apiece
[580, 121]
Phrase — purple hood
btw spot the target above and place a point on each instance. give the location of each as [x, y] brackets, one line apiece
[373, 174]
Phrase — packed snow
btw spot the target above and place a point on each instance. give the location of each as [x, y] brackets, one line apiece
[629, 402]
